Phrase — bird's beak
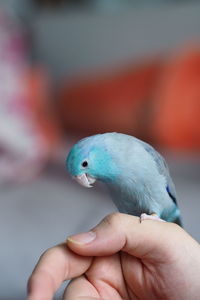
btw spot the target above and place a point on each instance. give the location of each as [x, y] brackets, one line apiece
[85, 180]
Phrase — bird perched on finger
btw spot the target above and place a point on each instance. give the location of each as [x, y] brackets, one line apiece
[136, 175]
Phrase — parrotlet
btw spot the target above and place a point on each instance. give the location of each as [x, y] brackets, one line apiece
[136, 175]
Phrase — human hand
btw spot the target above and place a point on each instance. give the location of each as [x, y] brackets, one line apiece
[122, 258]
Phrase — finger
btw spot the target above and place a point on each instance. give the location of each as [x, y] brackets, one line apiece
[125, 232]
[104, 279]
[55, 266]
[80, 288]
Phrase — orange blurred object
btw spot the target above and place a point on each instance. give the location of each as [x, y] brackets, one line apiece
[41, 104]
[110, 102]
[158, 101]
[176, 123]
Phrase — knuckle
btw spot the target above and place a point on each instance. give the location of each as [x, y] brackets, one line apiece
[48, 254]
[112, 219]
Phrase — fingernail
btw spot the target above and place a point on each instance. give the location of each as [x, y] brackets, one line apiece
[82, 238]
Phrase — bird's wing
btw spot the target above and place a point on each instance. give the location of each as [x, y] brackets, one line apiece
[163, 170]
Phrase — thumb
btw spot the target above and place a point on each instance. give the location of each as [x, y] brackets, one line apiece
[122, 232]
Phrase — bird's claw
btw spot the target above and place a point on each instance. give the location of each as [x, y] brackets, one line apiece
[155, 217]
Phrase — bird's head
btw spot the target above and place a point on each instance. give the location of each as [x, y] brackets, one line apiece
[89, 160]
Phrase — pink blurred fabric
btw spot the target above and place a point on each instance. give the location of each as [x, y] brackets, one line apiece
[23, 149]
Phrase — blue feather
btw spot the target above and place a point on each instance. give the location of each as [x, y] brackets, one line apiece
[170, 194]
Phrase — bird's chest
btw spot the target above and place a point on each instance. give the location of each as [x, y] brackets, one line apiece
[133, 200]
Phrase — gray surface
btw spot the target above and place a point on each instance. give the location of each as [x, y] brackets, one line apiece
[75, 41]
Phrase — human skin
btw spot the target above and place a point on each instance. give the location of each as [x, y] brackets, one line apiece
[121, 258]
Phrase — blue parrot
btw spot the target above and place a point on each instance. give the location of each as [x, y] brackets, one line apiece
[136, 175]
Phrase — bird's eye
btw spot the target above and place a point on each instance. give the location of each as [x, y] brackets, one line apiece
[84, 164]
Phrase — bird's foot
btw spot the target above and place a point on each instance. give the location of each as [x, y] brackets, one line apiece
[150, 217]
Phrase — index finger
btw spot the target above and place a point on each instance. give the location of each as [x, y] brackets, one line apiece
[56, 265]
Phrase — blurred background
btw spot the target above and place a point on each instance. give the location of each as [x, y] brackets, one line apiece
[69, 69]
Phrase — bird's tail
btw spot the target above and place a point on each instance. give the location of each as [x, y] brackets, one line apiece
[178, 221]
[175, 217]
